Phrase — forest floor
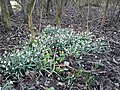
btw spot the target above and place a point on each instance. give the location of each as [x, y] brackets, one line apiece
[106, 76]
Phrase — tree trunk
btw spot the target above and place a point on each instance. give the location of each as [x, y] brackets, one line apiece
[5, 13]
[59, 8]
[30, 8]
[24, 10]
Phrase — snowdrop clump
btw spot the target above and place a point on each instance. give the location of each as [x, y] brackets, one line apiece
[51, 47]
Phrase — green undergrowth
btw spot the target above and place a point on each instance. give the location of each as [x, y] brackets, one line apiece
[49, 50]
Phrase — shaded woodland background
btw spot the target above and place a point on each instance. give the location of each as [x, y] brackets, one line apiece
[32, 9]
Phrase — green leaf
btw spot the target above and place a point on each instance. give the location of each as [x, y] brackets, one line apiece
[51, 88]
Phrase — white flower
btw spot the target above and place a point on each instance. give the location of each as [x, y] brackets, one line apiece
[31, 59]
[4, 62]
[11, 82]
[8, 63]
[11, 55]
[5, 52]
[20, 64]
[4, 55]
[17, 51]
[23, 56]
[22, 52]
[95, 56]
[1, 61]
[6, 68]
[3, 66]
[18, 54]
[0, 88]
[81, 57]
[28, 60]
[37, 53]
[12, 68]
[66, 63]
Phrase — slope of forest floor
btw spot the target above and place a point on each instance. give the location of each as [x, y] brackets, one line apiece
[106, 76]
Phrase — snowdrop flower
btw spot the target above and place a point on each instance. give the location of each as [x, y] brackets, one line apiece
[6, 68]
[37, 53]
[81, 57]
[11, 82]
[3, 66]
[5, 52]
[66, 63]
[22, 52]
[31, 59]
[20, 64]
[28, 60]
[8, 63]
[4, 55]
[1, 61]
[17, 51]
[23, 56]
[4, 62]
[18, 54]
[12, 68]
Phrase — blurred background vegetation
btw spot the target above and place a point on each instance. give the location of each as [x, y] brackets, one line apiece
[28, 7]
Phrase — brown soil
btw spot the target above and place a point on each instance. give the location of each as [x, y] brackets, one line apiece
[106, 74]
